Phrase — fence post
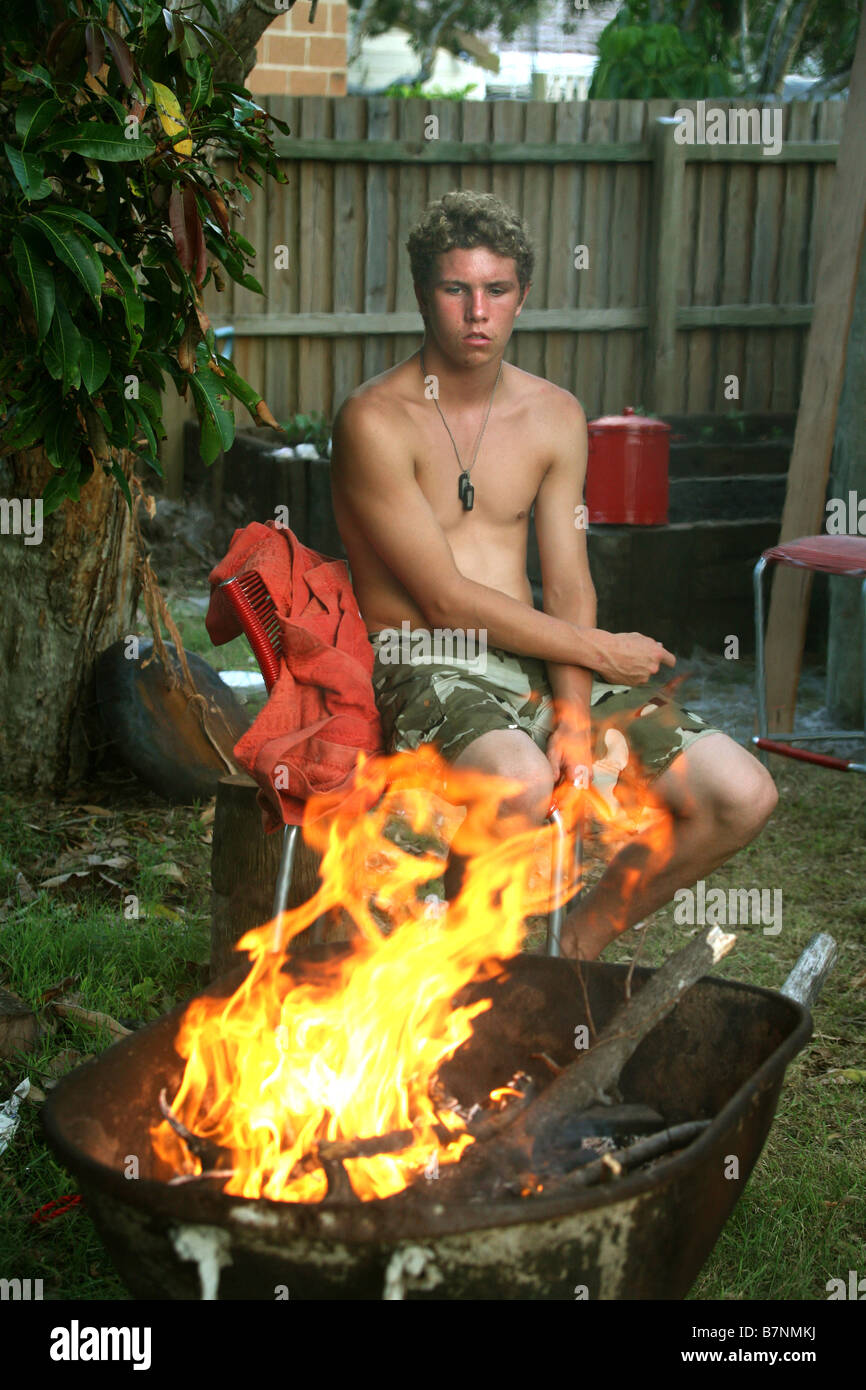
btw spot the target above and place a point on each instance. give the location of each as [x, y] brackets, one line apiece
[666, 246]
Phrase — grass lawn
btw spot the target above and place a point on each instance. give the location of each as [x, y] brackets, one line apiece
[802, 1219]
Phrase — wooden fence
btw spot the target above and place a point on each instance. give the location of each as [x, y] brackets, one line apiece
[701, 258]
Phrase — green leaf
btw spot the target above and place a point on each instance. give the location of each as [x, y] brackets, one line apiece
[34, 114]
[250, 282]
[59, 440]
[130, 298]
[38, 283]
[217, 421]
[28, 170]
[94, 362]
[63, 348]
[36, 75]
[56, 491]
[74, 252]
[201, 91]
[120, 476]
[245, 393]
[96, 140]
[76, 215]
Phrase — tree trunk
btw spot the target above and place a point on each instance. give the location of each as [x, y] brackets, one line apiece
[845, 655]
[64, 599]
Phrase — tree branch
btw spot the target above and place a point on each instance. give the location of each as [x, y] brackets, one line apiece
[791, 40]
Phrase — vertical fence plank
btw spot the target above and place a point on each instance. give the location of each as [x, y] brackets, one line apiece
[756, 388]
[249, 352]
[738, 236]
[621, 364]
[411, 201]
[669, 170]
[535, 205]
[316, 257]
[379, 120]
[508, 128]
[476, 130]
[706, 232]
[565, 234]
[592, 283]
[281, 283]
[350, 238]
[793, 247]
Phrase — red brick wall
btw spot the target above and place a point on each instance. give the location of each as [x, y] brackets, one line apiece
[297, 58]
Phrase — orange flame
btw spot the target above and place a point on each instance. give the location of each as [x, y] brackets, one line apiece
[349, 1048]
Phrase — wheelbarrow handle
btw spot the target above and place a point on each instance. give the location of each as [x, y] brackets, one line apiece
[806, 980]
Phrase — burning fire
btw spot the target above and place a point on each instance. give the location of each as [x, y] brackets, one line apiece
[351, 1048]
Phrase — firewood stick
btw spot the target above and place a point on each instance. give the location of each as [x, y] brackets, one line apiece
[589, 1079]
[665, 1141]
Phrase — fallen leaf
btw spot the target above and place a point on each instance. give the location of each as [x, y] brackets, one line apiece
[857, 1075]
[60, 988]
[209, 812]
[25, 892]
[93, 810]
[60, 879]
[170, 870]
[62, 1062]
[91, 1017]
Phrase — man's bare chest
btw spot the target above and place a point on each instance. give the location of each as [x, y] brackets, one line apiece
[505, 475]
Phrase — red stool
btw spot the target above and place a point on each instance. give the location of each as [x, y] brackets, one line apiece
[830, 555]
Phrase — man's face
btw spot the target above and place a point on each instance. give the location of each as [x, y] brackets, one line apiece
[472, 303]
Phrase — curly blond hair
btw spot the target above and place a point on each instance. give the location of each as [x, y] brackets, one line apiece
[463, 219]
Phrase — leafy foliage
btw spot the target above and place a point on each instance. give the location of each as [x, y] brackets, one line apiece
[641, 60]
[684, 48]
[309, 429]
[113, 219]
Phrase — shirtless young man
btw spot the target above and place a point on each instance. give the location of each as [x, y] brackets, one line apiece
[417, 555]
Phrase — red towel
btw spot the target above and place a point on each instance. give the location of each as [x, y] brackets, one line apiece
[321, 711]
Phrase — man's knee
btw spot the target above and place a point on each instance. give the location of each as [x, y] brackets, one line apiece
[511, 754]
[742, 798]
[723, 785]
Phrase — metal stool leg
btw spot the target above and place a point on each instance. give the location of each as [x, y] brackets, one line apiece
[284, 873]
[760, 671]
[557, 913]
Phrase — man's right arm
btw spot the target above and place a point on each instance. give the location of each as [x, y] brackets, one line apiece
[375, 477]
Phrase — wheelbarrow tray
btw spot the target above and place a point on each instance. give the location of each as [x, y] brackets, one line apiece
[720, 1055]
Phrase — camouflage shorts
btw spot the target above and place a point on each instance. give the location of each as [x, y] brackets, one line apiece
[453, 702]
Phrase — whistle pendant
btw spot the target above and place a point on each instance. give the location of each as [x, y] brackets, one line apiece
[468, 497]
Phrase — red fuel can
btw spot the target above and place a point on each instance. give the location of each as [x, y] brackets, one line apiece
[627, 470]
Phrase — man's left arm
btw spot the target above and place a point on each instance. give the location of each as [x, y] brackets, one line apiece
[568, 590]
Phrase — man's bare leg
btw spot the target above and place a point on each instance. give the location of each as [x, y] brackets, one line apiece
[720, 797]
[504, 753]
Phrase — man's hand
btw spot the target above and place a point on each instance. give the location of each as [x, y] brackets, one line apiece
[629, 658]
[569, 748]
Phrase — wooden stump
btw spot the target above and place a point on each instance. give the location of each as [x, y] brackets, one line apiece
[244, 863]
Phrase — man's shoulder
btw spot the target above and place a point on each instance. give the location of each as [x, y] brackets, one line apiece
[383, 395]
[559, 405]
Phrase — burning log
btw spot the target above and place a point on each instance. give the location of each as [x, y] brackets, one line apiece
[205, 1150]
[545, 1135]
[592, 1078]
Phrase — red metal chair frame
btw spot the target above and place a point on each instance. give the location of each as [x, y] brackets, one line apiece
[829, 555]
